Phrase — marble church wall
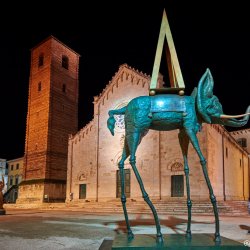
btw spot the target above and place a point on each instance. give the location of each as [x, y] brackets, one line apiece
[93, 155]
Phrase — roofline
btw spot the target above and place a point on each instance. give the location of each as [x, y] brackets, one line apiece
[53, 37]
[240, 130]
[16, 159]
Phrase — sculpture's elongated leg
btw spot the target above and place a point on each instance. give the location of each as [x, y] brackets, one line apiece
[192, 136]
[133, 142]
[184, 141]
[125, 155]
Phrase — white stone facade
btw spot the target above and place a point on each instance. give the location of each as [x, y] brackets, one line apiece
[93, 155]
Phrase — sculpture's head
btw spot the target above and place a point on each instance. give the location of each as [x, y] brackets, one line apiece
[209, 107]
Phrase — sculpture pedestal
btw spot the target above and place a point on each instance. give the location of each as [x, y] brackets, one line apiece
[2, 211]
[175, 242]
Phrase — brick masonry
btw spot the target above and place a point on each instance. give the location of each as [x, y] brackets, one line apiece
[52, 116]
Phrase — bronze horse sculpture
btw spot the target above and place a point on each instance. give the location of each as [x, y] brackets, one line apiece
[166, 112]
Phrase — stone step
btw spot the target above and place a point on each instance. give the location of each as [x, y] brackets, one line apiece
[226, 208]
[233, 208]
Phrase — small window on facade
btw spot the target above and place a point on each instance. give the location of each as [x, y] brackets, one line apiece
[65, 62]
[226, 152]
[242, 142]
[16, 180]
[40, 60]
[39, 86]
[11, 167]
[240, 162]
[17, 166]
[64, 88]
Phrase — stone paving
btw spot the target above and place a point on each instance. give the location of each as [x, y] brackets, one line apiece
[50, 229]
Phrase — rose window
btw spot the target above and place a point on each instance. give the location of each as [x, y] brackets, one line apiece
[119, 122]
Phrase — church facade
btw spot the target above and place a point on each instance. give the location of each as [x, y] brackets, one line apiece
[93, 155]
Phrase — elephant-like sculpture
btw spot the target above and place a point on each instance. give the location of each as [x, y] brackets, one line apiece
[166, 112]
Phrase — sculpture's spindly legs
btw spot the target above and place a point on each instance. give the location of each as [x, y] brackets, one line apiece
[123, 196]
[133, 142]
[195, 143]
[184, 141]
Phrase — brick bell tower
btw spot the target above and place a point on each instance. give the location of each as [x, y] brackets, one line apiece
[52, 116]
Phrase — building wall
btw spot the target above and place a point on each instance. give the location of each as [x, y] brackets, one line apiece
[243, 133]
[126, 85]
[4, 173]
[236, 170]
[215, 158]
[15, 171]
[94, 156]
[82, 158]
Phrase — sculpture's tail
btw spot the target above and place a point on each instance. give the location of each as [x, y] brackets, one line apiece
[111, 120]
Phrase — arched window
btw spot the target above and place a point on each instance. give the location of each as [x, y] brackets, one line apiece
[65, 62]
[39, 86]
[242, 142]
[40, 60]
[64, 88]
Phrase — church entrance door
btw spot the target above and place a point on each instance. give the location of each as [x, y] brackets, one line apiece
[177, 186]
[127, 183]
[82, 191]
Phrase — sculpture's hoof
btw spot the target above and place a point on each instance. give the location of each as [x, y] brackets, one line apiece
[130, 235]
[159, 239]
[188, 234]
[217, 238]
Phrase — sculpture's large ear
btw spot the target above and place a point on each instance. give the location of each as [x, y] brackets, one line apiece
[205, 93]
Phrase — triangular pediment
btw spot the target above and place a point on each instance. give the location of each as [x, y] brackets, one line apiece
[125, 72]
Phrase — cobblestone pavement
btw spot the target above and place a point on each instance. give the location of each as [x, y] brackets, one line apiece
[40, 229]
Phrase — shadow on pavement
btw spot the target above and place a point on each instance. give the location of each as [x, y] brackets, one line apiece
[172, 222]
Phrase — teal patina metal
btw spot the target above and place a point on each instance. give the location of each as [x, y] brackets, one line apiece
[166, 112]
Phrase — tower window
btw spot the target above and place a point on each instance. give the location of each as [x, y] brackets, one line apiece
[40, 60]
[64, 88]
[242, 142]
[65, 62]
[39, 86]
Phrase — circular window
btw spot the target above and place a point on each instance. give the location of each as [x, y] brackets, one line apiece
[119, 122]
[119, 119]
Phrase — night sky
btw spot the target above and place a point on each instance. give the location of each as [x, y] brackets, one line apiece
[205, 35]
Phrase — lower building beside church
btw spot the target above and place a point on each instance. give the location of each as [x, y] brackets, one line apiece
[93, 155]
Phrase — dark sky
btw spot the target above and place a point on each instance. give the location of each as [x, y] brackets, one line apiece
[205, 35]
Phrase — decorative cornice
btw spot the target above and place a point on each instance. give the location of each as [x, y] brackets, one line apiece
[82, 131]
[51, 37]
[122, 68]
[240, 131]
[15, 160]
